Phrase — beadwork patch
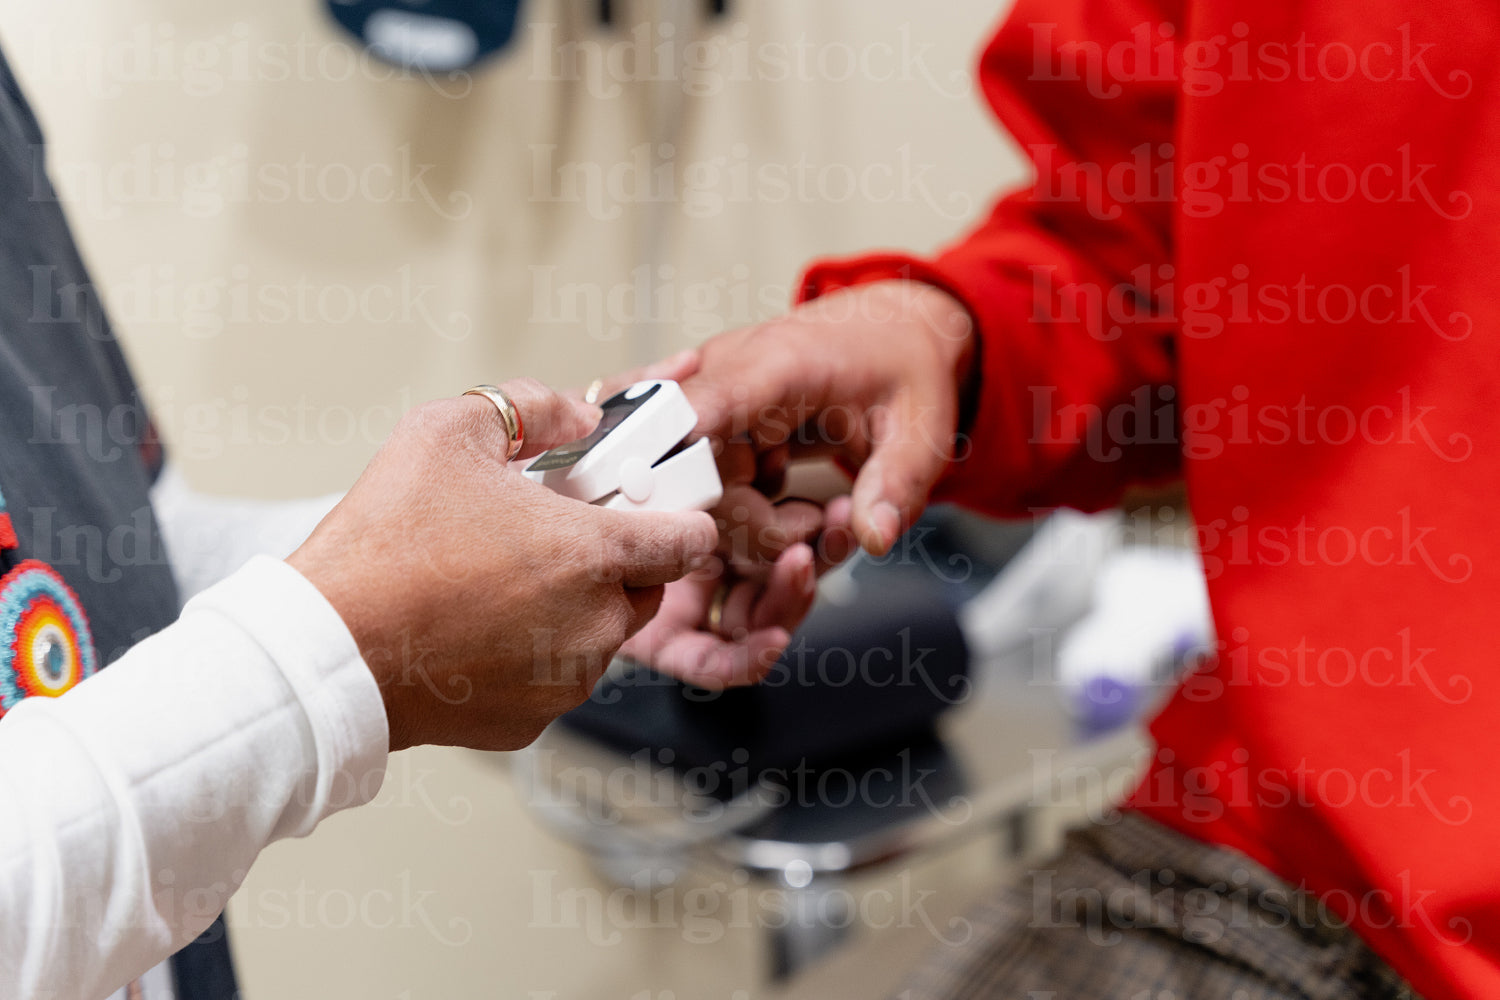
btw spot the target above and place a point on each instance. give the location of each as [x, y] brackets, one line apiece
[45, 643]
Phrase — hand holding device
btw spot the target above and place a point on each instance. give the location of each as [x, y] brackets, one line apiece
[872, 374]
[486, 607]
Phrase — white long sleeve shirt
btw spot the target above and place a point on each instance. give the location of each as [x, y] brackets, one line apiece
[133, 806]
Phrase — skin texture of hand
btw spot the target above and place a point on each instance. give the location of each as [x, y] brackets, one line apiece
[871, 375]
[766, 566]
[485, 604]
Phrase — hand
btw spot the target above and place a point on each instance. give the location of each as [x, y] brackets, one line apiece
[756, 618]
[871, 375]
[675, 368]
[485, 604]
[767, 570]
[754, 528]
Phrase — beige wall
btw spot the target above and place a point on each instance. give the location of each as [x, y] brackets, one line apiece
[295, 248]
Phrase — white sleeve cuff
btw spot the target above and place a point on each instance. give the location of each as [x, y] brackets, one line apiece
[307, 640]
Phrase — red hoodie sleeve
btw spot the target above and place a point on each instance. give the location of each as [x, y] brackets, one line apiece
[1062, 280]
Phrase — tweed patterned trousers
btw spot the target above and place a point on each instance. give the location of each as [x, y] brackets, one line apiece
[1130, 910]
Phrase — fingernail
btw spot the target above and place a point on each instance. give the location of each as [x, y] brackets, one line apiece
[886, 519]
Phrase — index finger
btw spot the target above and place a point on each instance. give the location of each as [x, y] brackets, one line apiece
[742, 390]
[674, 369]
[548, 418]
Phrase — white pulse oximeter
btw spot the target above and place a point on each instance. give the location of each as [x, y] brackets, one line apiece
[628, 461]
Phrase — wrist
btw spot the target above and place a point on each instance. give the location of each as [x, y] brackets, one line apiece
[351, 602]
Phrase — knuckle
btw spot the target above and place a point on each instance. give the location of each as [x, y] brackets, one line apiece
[604, 557]
[527, 383]
[645, 538]
[527, 389]
[647, 544]
[430, 418]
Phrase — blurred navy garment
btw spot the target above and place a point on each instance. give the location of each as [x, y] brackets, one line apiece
[77, 460]
[432, 36]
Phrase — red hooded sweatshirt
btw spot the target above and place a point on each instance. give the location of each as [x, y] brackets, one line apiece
[1263, 252]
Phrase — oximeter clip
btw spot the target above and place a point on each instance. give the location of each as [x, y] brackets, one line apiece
[632, 460]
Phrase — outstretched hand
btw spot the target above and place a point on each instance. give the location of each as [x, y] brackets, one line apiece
[870, 376]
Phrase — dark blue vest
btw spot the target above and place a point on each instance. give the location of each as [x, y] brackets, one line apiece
[86, 577]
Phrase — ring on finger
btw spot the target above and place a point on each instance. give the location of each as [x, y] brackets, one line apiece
[716, 608]
[515, 430]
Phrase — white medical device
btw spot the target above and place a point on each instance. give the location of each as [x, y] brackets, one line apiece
[628, 461]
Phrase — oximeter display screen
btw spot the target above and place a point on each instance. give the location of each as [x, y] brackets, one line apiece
[616, 408]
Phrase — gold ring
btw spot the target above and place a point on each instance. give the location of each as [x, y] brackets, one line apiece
[515, 430]
[716, 609]
[591, 394]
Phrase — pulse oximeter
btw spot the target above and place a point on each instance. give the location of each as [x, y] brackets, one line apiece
[632, 459]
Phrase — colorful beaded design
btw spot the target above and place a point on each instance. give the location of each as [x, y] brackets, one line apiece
[46, 646]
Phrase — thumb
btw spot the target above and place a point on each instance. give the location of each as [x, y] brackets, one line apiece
[548, 418]
[912, 443]
[649, 548]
